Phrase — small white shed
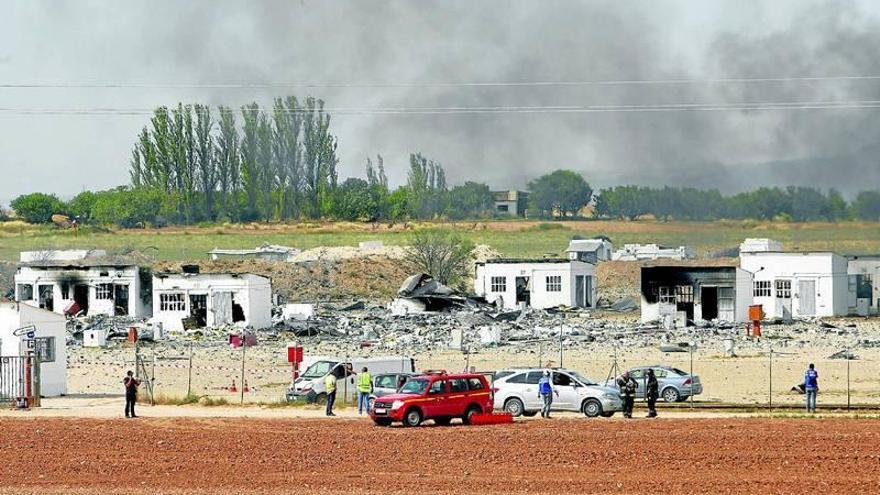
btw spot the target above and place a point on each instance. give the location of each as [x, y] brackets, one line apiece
[95, 337]
[40, 332]
[212, 300]
[803, 284]
[537, 283]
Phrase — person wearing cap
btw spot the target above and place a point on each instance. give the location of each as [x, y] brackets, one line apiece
[131, 389]
[627, 387]
[545, 393]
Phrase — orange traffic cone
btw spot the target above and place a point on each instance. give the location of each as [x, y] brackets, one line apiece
[246, 388]
[233, 389]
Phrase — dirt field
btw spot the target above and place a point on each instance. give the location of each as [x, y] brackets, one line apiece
[351, 456]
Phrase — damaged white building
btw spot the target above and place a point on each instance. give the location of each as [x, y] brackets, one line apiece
[82, 282]
[863, 272]
[647, 252]
[197, 300]
[688, 294]
[537, 283]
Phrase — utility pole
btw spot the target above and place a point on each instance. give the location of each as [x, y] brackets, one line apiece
[243, 350]
[848, 359]
[691, 346]
[770, 396]
[189, 377]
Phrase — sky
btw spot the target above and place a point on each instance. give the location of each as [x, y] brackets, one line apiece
[726, 94]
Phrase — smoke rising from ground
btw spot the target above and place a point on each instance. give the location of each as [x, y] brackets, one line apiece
[400, 41]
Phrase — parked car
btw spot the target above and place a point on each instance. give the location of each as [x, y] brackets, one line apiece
[673, 384]
[437, 396]
[310, 386]
[387, 384]
[516, 392]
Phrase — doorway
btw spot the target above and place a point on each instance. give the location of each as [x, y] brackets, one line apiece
[198, 309]
[120, 300]
[709, 301]
[81, 297]
[582, 291]
[523, 292]
[47, 296]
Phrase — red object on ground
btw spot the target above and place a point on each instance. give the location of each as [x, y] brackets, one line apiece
[233, 388]
[132, 335]
[492, 419]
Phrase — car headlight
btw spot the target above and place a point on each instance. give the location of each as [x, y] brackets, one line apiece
[397, 404]
[609, 395]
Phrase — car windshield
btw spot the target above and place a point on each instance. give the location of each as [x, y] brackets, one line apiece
[581, 378]
[416, 386]
[319, 369]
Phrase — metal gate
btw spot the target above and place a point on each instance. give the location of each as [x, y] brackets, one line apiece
[18, 378]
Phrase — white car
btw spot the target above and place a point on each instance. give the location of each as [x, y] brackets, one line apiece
[516, 392]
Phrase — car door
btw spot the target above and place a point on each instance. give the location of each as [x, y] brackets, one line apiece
[638, 374]
[458, 396]
[566, 394]
[531, 398]
[438, 399]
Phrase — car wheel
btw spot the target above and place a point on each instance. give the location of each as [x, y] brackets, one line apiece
[530, 414]
[382, 422]
[321, 399]
[515, 407]
[413, 417]
[442, 421]
[607, 414]
[466, 419]
[592, 408]
[670, 394]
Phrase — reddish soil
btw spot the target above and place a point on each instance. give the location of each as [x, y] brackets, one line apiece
[351, 456]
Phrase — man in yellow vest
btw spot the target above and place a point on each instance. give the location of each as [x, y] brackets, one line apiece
[330, 388]
[365, 388]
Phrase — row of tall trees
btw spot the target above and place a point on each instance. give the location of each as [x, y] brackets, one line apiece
[254, 164]
[798, 204]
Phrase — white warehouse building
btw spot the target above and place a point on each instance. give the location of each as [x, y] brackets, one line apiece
[803, 284]
[42, 333]
[537, 283]
[211, 300]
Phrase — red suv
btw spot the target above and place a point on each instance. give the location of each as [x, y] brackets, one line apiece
[438, 396]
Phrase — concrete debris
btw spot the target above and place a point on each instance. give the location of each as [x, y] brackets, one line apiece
[843, 355]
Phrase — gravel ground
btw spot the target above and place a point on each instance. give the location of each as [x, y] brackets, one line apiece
[177, 455]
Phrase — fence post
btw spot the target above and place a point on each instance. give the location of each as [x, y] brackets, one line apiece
[770, 391]
[848, 359]
[243, 350]
[189, 377]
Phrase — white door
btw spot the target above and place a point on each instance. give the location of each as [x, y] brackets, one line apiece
[726, 304]
[807, 297]
[568, 398]
[783, 299]
[221, 307]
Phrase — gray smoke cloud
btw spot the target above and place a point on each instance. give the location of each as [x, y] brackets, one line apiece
[422, 42]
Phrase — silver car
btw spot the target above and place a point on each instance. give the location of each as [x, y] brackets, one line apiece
[387, 384]
[673, 384]
[516, 392]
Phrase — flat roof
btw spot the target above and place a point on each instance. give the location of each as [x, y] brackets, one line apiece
[511, 261]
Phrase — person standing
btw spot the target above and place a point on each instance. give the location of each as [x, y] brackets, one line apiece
[364, 388]
[652, 392]
[627, 387]
[131, 389]
[330, 388]
[811, 387]
[545, 393]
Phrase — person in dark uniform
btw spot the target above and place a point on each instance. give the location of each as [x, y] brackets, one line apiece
[131, 390]
[652, 393]
[627, 387]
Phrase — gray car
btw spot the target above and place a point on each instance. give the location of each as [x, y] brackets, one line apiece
[516, 392]
[387, 384]
[673, 384]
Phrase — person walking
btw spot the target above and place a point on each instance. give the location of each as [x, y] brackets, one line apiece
[545, 393]
[652, 393]
[330, 388]
[131, 390]
[627, 387]
[365, 388]
[811, 387]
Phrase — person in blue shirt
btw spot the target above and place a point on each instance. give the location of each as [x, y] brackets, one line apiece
[811, 386]
[545, 392]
